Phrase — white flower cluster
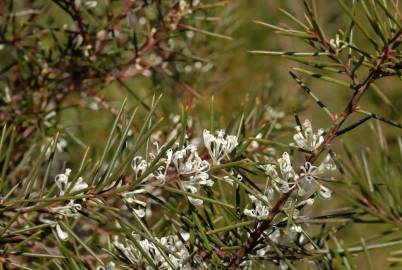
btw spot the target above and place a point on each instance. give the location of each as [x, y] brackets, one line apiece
[284, 178]
[178, 253]
[71, 209]
[188, 166]
[219, 146]
[306, 139]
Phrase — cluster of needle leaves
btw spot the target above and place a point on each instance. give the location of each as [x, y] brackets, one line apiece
[103, 228]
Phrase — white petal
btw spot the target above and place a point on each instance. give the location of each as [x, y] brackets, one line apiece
[61, 234]
[195, 201]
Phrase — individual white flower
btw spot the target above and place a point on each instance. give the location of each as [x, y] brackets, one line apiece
[88, 4]
[63, 184]
[284, 179]
[79, 185]
[306, 139]
[337, 44]
[279, 236]
[62, 235]
[219, 146]
[189, 187]
[189, 164]
[269, 193]
[230, 179]
[139, 166]
[62, 180]
[285, 166]
[283, 265]
[175, 245]
[275, 235]
[327, 165]
[309, 174]
[70, 210]
[130, 196]
[260, 211]
[129, 251]
[60, 145]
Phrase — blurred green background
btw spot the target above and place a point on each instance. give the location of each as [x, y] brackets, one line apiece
[238, 75]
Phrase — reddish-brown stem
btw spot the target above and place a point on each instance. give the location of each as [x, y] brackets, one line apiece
[360, 89]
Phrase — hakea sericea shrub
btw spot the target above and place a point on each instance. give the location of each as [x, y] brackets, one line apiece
[193, 168]
[187, 196]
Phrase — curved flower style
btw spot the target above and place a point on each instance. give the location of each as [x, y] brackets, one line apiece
[62, 235]
[219, 146]
[306, 139]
